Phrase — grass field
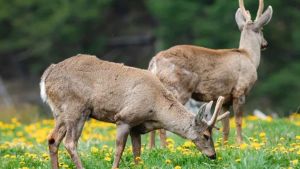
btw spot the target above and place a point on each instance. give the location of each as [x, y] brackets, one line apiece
[272, 143]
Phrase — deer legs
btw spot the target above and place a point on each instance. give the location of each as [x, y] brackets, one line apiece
[122, 134]
[136, 145]
[226, 125]
[237, 108]
[71, 131]
[162, 136]
[54, 140]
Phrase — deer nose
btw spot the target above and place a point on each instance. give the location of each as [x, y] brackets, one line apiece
[213, 157]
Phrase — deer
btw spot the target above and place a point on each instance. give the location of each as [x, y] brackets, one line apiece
[203, 74]
[83, 87]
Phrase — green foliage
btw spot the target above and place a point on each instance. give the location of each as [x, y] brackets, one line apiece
[283, 87]
[43, 31]
[268, 144]
[212, 24]
[34, 33]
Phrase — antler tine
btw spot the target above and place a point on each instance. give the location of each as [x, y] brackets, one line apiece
[244, 11]
[218, 108]
[260, 9]
[224, 115]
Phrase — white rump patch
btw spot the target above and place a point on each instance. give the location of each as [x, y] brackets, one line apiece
[43, 91]
[154, 67]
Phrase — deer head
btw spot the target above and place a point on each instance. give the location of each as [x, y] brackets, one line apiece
[251, 31]
[204, 141]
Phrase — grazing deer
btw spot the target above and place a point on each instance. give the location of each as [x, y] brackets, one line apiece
[204, 74]
[84, 86]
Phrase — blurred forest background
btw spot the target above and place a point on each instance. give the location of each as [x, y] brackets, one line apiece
[35, 33]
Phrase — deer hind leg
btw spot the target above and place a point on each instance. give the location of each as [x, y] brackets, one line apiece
[163, 138]
[54, 139]
[152, 139]
[226, 126]
[237, 108]
[122, 134]
[136, 145]
[74, 129]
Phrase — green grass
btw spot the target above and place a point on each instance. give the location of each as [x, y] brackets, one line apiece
[24, 146]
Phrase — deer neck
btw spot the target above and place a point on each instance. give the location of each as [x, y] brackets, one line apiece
[251, 44]
[178, 120]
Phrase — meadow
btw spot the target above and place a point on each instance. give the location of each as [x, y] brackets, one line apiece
[270, 143]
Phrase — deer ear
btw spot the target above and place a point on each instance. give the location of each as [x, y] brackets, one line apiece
[200, 114]
[240, 19]
[264, 18]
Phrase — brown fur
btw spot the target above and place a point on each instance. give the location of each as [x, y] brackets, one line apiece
[84, 86]
[204, 74]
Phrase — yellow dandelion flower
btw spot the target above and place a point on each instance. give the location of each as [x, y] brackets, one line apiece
[243, 146]
[269, 119]
[65, 166]
[168, 161]
[170, 141]
[138, 159]
[177, 167]
[94, 149]
[294, 162]
[297, 137]
[107, 158]
[262, 134]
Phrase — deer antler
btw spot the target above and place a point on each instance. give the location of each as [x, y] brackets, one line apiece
[260, 9]
[245, 13]
[218, 108]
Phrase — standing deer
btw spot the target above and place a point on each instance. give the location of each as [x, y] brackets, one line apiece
[83, 87]
[204, 74]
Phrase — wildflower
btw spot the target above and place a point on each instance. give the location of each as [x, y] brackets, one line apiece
[24, 168]
[170, 141]
[252, 118]
[238, 160]
[243, 146]
[107, 158]
[294, 162]
[94, 149]
[219, 158]
[297, 137]
[269, 119]
[138, 159]
[45, 155]
[281, 139]
[262, 134]
[168, 161]
[177, 167]
[255, 145]
[65, 166]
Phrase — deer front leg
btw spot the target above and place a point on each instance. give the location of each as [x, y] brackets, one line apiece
[136, 145]
[122, 134]
[237, 108]
[226, 126]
